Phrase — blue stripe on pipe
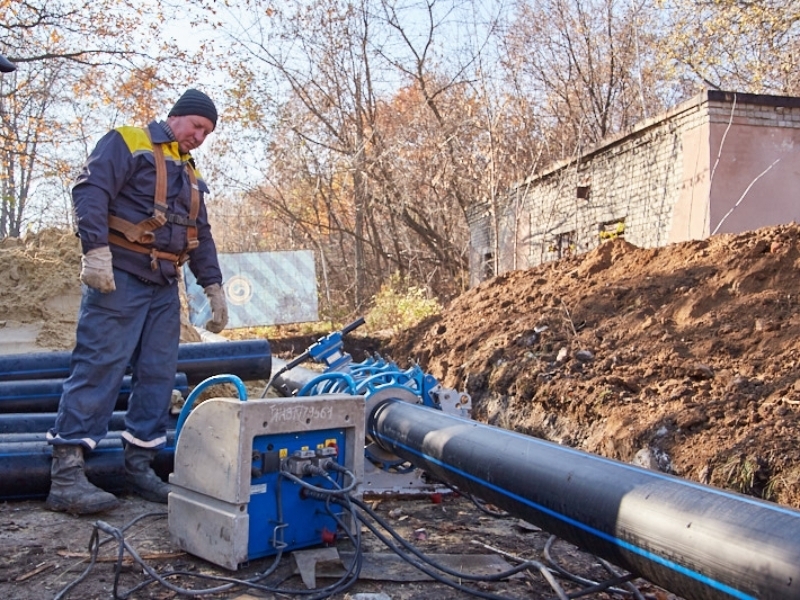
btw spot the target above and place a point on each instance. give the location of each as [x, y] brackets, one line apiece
[577, 524]
[658, 475]
[654, 474]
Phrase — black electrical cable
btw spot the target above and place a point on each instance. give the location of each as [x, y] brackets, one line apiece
[339, 491]
[588, 583]
[118, 534]
[430, 571]
[411, 548]
[230, 582]
[629, 584]
[600, 587]
[94, 548]
[436, 576]
[483, 506]
[344, 583]
[271, 382]
[337, 495]
[353, 571]
[591, 586]
[479, 503]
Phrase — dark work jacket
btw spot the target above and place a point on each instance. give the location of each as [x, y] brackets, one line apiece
[119, 178]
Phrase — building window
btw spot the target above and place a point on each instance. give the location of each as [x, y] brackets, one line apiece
[612, 229]
[487, 266]
[564, 244]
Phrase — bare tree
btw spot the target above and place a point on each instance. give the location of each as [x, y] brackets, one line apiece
[81, 67]
[735, 45]
[590, 65]
[24, 123]
[368, 152]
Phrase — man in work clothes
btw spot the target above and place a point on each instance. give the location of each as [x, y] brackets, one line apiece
[139, 204]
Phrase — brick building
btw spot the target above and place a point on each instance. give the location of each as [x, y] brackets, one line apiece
[721, 162]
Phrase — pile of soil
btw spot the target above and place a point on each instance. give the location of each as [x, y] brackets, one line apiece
[682, 358]
[41, 292]
[40, 288]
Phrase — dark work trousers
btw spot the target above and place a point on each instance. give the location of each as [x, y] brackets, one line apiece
[137, 326]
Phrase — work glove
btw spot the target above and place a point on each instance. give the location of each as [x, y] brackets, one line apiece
[219, 308]
[97, 271]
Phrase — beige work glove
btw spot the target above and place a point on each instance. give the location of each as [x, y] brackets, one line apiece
[219, 308]
[96, 270]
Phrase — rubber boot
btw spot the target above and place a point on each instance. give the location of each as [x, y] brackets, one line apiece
[70, 491]
[140, 479]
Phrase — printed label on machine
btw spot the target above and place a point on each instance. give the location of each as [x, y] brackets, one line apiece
[259, 488]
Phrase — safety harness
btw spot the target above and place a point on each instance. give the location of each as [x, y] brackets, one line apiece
[139, 236]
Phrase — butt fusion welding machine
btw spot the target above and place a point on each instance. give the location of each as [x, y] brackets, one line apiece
[254, 478]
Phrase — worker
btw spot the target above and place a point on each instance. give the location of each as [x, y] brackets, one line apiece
[140, 212]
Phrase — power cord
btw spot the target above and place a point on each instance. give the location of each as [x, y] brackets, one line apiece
[349, 513]
[424, 560]
[352, 532]
[94, 548]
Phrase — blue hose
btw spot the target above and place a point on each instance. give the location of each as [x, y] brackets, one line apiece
[332, 382]
[190, 399]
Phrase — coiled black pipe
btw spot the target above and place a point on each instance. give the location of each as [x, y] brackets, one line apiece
[43, 395]
[247, 359]
[694, 540]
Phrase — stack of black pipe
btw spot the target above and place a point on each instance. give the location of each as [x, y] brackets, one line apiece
[30, 389]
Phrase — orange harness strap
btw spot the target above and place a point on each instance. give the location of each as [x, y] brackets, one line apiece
[178, 259]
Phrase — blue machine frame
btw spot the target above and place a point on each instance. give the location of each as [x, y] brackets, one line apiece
[242, 468]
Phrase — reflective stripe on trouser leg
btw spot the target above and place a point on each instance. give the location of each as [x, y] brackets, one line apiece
[109, 327]
[154, 364]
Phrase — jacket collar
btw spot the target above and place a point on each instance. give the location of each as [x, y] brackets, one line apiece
[158, 134]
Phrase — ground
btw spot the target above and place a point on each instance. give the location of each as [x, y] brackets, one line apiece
[683, 358]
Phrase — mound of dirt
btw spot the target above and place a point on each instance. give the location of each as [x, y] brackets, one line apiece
[41, 293]
[682, 358]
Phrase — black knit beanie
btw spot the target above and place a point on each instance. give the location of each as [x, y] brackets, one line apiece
[195, 102]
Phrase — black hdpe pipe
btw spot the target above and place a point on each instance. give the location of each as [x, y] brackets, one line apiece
[697, 541]
[247, 359]
[36, 423]
[25, 454]
[43, 395]
[25, 466]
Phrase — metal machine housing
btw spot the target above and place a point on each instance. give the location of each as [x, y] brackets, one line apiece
[229, 503]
